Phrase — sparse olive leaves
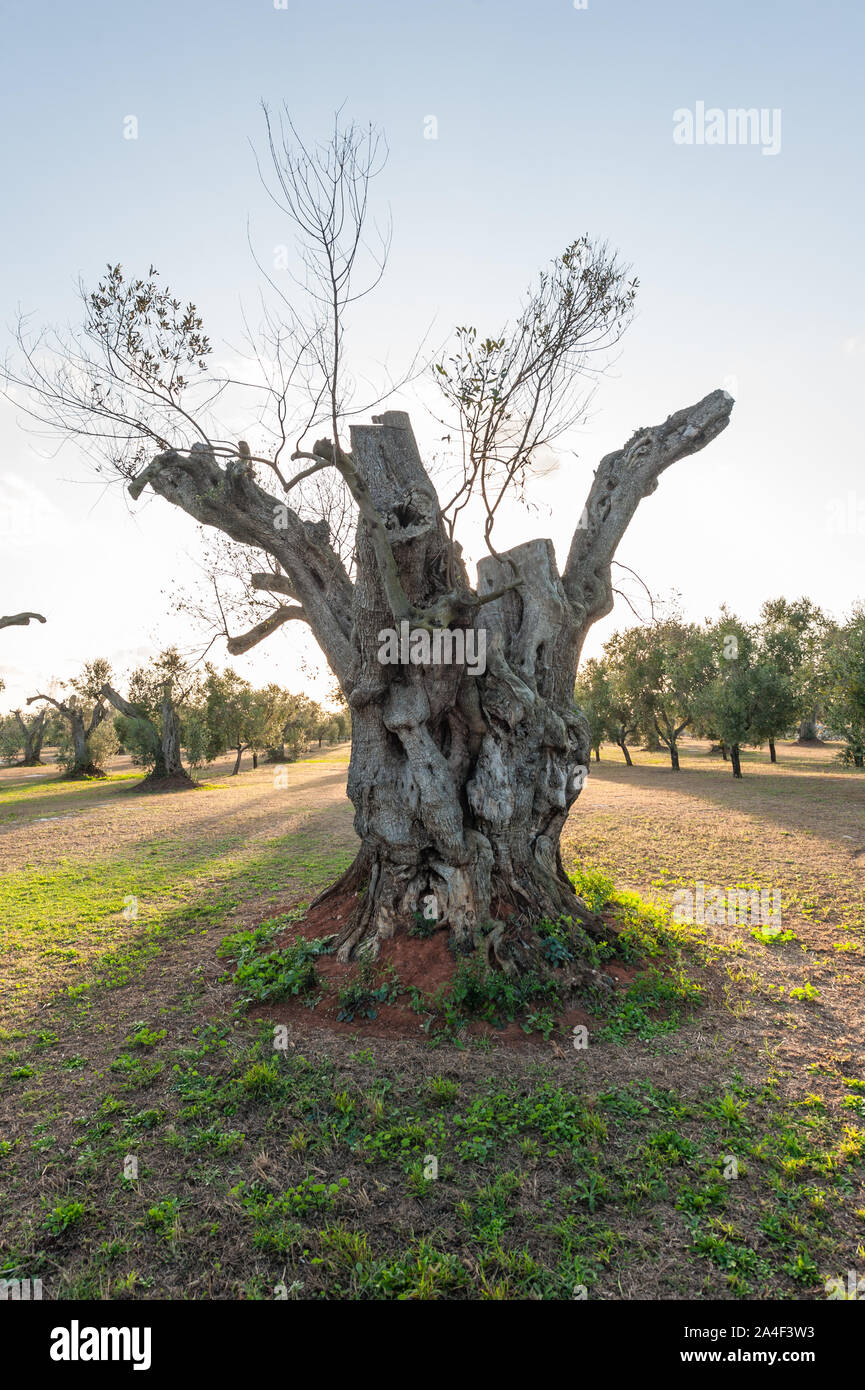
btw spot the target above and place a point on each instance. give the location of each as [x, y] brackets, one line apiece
[147, 330]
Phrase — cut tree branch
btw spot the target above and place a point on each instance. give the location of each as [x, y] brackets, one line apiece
[284, 614]
[123, 706]
[21, 619]
[621, 481]
[233, 502]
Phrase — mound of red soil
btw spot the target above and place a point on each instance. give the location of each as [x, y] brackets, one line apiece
[425, 963]
[166, 784]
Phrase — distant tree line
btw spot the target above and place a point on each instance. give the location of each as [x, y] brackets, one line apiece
[739, 684]
[170, 718]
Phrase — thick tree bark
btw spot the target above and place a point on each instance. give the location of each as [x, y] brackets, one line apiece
[735, 760]
[674, 755]
[462, 772]
[773, 757]
[624, 748]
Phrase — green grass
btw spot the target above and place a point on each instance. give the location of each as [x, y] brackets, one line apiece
[539, 1188]
[74, 913]
[52, 785]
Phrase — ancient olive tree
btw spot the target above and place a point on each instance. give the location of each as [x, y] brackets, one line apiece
[239, 718]
[592, 696]
[83, 712]
[149, 722]
[32, 735]
[795, 636]
[467, 749]
[10, 740]
[18, 735]
[300, 717]
[664, 667]
[747, 698]
[609, 709]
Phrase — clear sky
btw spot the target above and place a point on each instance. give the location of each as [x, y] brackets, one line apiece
[551, 121]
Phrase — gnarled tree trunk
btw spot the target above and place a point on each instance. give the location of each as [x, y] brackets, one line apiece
[169, 763]
[462, 783]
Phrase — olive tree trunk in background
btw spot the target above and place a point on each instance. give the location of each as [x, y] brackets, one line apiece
[81, 732]
[33, 734]
[808, 728]
[168, 763]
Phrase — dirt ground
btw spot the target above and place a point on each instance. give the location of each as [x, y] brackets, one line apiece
[53, 820]
[604, 1169]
